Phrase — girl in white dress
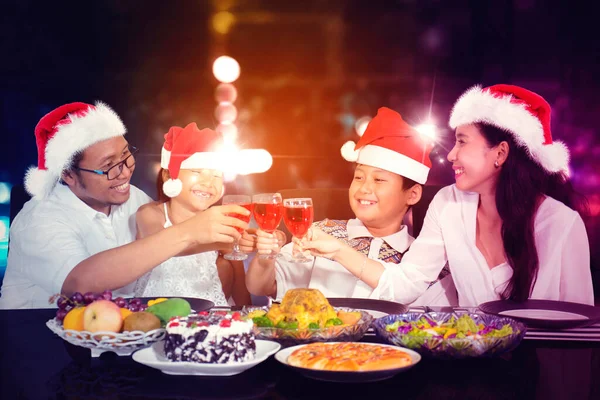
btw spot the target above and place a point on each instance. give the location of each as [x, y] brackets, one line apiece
[509, 228]
[192, 178]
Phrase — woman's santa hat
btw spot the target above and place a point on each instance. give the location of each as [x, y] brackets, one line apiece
[189, 148]
[391, 144]
[526, 115]
[64, 132]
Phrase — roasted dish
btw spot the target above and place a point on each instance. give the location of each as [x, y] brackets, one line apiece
[302, 309]
[349, 356]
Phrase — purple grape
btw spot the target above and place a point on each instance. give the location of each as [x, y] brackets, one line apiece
[98, 297]
[60, 314]
[120, 302]
[137, 302]
[143, 307]
[134, 307]
[63, 302]
[69, 307]
[107, 295]
[77, 298]
[89, 297]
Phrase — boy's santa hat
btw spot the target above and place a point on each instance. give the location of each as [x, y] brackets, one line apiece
[526, 115]
[64, 132]
[391, 144]
[189, 148]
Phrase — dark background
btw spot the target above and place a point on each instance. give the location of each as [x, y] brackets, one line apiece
[309, 70]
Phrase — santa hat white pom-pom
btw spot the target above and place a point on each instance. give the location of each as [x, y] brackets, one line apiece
[39, 182]
[348, 151]
[172, 188]
[554, 157]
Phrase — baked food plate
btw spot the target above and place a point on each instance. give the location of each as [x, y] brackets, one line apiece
[348, 376]
[155, 357]
[545, 314]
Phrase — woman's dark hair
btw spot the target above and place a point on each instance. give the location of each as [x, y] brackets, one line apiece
[162, 197]
[521, 185]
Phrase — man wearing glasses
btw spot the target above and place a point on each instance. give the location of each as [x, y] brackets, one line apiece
[77, 233]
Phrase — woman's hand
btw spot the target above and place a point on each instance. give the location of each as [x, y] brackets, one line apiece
[319, 243]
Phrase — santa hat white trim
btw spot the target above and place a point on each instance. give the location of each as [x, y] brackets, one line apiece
[392, 161]
[479, 105]
[79, 133]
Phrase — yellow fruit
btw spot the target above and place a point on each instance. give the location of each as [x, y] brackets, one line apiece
[125, 312]
[74, 319]
[156, 301]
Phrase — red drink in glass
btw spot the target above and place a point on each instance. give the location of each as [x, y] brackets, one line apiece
[267, 216]
[245, 218]
[298, 219]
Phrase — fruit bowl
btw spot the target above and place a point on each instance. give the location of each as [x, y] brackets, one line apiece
[99, 342]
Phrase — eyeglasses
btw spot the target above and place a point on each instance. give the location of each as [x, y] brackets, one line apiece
[116, 170]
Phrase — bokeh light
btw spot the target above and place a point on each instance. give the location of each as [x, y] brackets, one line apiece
[229, 131]
[428, 130]
[222, 22]
[361, 125]
[226, 69]
[225, 93]
[226, 113]
[4, 192]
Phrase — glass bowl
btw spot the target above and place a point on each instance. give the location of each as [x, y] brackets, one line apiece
[452, 348]
[292, 337]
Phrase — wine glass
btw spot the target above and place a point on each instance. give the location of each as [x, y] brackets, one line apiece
[268, 212]
[245, 202]
[298, 215]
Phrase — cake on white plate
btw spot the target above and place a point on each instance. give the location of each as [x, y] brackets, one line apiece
[210, 337]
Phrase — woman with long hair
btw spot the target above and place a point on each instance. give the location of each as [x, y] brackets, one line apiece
[510, 227]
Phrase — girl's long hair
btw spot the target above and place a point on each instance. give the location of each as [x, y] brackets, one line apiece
[160, 179]
[521, 186]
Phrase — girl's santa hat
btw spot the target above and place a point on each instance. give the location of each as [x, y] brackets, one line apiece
[391, 144]
[189, 148]
[526, 115]
[64, 132]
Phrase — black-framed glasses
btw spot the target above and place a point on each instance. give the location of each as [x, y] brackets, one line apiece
[116, 170]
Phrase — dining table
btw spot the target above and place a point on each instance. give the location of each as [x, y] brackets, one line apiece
[37, 364]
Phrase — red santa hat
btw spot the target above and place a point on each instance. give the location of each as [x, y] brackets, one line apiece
[189, 148]
[391, 144]
[64, 132]
[525, 114]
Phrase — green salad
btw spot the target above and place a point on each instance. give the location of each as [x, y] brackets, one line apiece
[462, 327]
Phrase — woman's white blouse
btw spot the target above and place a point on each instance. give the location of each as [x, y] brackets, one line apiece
[448, 235]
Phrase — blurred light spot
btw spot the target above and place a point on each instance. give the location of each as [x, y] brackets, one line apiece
[222, 22]
[441, 160]
[226, 113]
[229, 131]
[3, 229]
[5, 192]
[428, 130]
[361, 125]
[226, 69]
[225, 93]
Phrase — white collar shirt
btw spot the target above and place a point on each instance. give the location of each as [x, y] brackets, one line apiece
[48, 238]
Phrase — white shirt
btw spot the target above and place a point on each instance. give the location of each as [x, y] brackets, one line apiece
[448, 235]
[48, 238]
[334, 280]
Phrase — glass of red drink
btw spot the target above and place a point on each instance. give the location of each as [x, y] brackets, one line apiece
[244, 201]
[298, 215]
[268, 211]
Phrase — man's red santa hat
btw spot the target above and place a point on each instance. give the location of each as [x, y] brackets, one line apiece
[64, 132]
[391, 144]
[525, 114]
[190, 148]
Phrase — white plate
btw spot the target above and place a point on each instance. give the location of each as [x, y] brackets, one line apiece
[543, 314]
[155, 357]
[348, 376]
